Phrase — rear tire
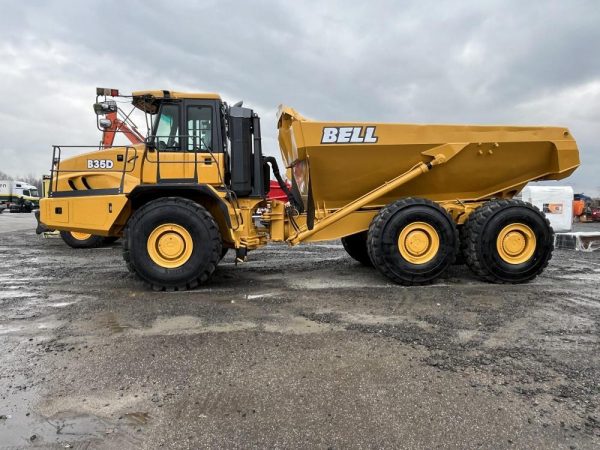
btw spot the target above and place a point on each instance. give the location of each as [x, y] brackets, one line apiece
[356, 246]
[172, 243]
[507, 241]
[81, 240]
[412, 241]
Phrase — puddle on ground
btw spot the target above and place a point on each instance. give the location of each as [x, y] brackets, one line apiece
[257, 296]
[60, 304]
[8, 329]
[13, 293]
[136, 418]
[11, 279]
[111, 321]
[370, 319]
[28, 328]
[195, 292]
[195, 325]
[63, 429]
[26, 425]
[299, 325]
[466, 336]
[190, 325]
[256, 264]
[336, 282]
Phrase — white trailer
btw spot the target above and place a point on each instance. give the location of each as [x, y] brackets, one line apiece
[18, 196]
[555, 201]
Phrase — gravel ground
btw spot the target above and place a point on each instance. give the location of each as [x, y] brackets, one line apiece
[299, 347]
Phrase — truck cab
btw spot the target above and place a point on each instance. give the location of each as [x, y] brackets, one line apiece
[18, 196]
[198, 138]
[197, 147]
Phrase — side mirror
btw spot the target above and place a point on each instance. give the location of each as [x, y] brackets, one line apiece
[102, 108]
[105, 123]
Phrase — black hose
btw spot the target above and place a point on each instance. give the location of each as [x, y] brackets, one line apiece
[284, 187]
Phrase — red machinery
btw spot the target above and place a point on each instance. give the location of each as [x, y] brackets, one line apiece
[114, 125]
[276, 193]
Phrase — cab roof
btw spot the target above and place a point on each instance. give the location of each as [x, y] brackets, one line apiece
[148, 101]
[177, 95]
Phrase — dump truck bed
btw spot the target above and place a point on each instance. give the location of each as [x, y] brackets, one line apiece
[343, 160]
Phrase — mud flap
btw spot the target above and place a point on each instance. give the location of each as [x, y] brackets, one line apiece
[298, 203]
[310, 208]
[41, 228]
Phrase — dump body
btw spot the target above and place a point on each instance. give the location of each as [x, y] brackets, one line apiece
[343, 161]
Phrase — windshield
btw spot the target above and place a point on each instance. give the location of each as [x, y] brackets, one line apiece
[34, 193]
[167, 128]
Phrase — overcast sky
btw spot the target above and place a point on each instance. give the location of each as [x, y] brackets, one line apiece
[517, 62]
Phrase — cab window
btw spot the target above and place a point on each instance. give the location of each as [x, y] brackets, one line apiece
[26, 192]
[167, 129]
[199, 128]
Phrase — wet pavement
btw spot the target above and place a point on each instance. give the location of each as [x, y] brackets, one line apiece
[298, 347]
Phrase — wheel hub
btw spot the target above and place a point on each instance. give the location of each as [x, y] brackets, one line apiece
[516, 243]
[418, 242]
[80, 236]
[170, 245]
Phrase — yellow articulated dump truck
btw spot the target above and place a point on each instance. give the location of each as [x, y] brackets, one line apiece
[406, 199]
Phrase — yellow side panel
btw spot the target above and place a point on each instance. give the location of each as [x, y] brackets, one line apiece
[57, 211]
[91, 214]
[177, 165]
[76, 174]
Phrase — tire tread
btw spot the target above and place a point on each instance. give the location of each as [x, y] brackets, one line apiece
[376, 231]
[474, 228]
[195, 209]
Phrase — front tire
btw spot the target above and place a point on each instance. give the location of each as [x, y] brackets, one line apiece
[412, 241]
[507, 241]
[172, 243]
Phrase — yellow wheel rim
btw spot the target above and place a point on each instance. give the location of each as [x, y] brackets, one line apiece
[516, 243]
[418, 243]
[170, 245]
[80, 236]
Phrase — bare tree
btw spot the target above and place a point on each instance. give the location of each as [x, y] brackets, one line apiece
[30, 179]
[33, 180]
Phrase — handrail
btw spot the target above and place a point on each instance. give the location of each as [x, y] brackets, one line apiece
[157, 161]
[179, 150]
[55, 171]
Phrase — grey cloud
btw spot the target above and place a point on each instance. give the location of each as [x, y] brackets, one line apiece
[464, 61]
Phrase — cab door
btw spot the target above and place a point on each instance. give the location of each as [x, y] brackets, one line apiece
[203, 142]
[184, 134]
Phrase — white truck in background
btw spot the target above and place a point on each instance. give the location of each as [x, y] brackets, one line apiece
[555, 201]
[18, 196]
